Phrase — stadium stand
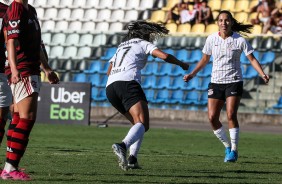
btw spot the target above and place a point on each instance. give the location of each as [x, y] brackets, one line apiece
[82, 35]
[177, 83]
[81, 77]
[279, 104]
[94, 79]
[191, 98]
[150, 94]
[163, 82]
[161, 97]
[176, 97]
[149, 82]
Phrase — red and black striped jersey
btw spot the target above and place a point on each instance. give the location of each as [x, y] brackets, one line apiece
[3, 9]
[22, 24]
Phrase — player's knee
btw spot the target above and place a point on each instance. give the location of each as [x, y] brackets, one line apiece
[231, 116]
[213, 118]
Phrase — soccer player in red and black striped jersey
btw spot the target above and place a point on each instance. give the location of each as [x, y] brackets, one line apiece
[25, 56]
[5, 90]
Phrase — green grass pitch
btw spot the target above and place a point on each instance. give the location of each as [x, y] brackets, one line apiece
[81, 154]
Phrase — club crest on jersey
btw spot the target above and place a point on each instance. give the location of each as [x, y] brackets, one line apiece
[210, 92]
[14, 23]
[230, 45]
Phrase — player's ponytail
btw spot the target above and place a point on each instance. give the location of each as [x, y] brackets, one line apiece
[237, 26]
[145, 30]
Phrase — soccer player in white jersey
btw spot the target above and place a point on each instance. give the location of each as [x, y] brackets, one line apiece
[226, 84]
[123, 87]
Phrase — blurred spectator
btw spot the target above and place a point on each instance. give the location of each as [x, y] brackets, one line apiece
[172, 15]
[205, 14]
[185, 14]
[189, 15]
[274, 24]
[254, 9]
[264, 10]
[196, 4]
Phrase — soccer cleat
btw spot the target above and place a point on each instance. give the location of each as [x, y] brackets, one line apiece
[121, 154]
[19, 175]
[133, 163]
[5, 175]
[227, 152]
[233, 156]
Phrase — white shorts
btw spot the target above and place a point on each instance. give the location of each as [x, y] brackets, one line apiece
[25, 87]
[5, 92]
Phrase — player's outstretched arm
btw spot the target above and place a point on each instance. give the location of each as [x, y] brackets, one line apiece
[169, 59]
[201, 64]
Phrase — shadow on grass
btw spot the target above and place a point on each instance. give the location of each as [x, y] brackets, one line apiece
[253, 172]
[267, 163]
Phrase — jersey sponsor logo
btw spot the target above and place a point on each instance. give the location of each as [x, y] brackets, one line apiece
[16, 31]
[14, 23]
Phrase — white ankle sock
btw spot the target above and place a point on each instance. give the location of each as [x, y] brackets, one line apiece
[9, 168]
[134, 148]
[234, 136]
[136, 132]
[221, 135]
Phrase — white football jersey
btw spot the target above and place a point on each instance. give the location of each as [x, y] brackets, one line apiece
[226, 57]
[129, 59]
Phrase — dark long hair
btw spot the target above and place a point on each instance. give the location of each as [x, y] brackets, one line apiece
[237, 26]
[148, 31]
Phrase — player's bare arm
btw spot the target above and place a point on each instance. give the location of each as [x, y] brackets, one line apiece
[169, 59]
[12, 59]
[201, 64]
[254, 62]
[109, 69]
[50, 74]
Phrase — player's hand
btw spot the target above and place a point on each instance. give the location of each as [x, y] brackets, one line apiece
[52, 77]
[16, 77]
[184, 66]
[265, 78]
[188, 77]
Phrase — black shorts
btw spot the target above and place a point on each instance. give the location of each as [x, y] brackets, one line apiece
[124, 94]
[222, 91]
[175, 17]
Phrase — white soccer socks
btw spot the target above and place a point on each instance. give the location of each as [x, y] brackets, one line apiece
[234, 136]
[135, 133]
[134, 148]
[221, 135]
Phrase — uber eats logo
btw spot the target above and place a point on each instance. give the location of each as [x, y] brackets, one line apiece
[66, 107]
